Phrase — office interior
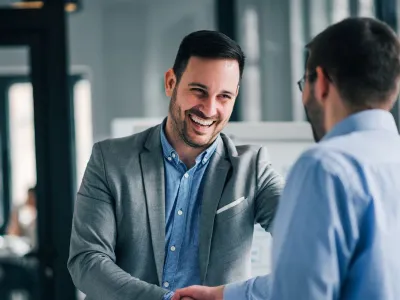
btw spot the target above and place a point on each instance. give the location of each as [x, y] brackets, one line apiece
[75, 72]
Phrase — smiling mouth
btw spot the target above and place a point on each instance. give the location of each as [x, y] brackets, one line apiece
[200, 121]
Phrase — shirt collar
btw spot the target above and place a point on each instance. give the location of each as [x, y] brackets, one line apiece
[374, 119]
[170, 153]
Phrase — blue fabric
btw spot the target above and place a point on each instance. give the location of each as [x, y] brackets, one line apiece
[183, 207]
[337, 229]
[168, 296]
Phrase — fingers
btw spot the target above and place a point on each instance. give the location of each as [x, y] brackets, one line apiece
[181, 295]
[176, 296]
[188, 293]
[199, 293]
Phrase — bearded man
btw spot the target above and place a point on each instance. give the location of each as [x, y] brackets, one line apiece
[175, 205]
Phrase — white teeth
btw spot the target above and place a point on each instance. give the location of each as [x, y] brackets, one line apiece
[200, 121]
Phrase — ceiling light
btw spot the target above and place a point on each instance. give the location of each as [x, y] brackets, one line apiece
[70, 5]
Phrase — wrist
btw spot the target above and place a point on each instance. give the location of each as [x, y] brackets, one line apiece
[219, 292]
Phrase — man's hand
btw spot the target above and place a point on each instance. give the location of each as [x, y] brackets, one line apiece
[200, 293]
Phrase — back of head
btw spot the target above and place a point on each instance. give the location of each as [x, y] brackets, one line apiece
[362, 58]
[207, 44]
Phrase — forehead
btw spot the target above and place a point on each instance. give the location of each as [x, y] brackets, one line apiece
[212, 71]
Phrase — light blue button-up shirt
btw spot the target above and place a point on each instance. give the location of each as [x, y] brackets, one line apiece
[183, 198]
[337, 229]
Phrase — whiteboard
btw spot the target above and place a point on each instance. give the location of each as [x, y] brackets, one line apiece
[285, 141]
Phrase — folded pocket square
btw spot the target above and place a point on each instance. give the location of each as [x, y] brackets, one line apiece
[230, 205]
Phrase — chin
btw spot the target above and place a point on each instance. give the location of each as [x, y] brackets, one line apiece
[199, 142]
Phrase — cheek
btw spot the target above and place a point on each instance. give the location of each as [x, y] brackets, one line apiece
[305, 95]
[226, 110]
[187, 101]
[308, 90]
[304, 98]
[228, 107]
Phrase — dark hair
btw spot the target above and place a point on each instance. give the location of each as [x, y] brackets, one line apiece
[362, 57]
[207, 44]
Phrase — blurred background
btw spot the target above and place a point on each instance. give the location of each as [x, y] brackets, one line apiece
[70, 70]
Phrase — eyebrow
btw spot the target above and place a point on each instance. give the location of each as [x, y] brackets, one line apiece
[196, 84]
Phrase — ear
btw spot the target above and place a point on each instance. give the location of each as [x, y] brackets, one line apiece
[169, 82]
[321, 85]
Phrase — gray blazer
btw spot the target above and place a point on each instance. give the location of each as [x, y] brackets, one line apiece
[118, 235]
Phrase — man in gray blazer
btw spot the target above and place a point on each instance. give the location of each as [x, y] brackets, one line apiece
[175, 205]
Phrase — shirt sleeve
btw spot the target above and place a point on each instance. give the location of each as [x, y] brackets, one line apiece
[255, 289]
[315, 231]
[168, 296]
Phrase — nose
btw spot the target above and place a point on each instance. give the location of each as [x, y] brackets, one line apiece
[210, 106]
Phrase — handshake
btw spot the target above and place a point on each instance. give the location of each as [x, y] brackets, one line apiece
[199, 293]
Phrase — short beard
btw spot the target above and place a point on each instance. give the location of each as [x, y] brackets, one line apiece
[175, 111]
[315, 116]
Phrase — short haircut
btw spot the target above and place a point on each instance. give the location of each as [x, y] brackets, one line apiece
[362, 57]
[207, 44]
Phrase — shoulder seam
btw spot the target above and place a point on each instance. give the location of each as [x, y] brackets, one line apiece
[104, 165]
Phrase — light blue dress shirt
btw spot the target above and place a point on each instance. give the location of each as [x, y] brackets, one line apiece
[183, 198]
[337, 229]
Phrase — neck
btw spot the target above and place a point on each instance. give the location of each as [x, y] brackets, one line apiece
[187, 154]
[336, 112]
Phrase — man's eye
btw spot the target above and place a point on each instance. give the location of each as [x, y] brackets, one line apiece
[199, 91]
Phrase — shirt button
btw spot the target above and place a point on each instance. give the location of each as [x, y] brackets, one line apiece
[173, 155]
[204, 161]
[173, 248]
[186, 175]
[180, 212]
[169, 158]
[166, 284]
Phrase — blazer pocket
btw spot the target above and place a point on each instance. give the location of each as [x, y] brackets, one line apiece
[232, 205]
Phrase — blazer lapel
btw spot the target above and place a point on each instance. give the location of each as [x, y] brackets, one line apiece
[213, 187]
[152, 165]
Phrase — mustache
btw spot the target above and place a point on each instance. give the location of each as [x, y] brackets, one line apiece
[200, 114]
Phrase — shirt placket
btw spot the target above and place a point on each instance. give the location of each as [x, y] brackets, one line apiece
[179, 226]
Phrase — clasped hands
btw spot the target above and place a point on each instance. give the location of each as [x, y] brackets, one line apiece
[199, 293]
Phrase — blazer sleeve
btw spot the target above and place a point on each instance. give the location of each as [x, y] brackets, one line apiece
[269, 189]
[92, 258]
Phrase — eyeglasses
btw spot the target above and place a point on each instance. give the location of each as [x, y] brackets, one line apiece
[310, 76]
[302, 81]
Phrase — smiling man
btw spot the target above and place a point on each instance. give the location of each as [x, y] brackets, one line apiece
[175, 205]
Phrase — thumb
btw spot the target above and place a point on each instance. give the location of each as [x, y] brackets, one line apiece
[176, 296]
[192, 292]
